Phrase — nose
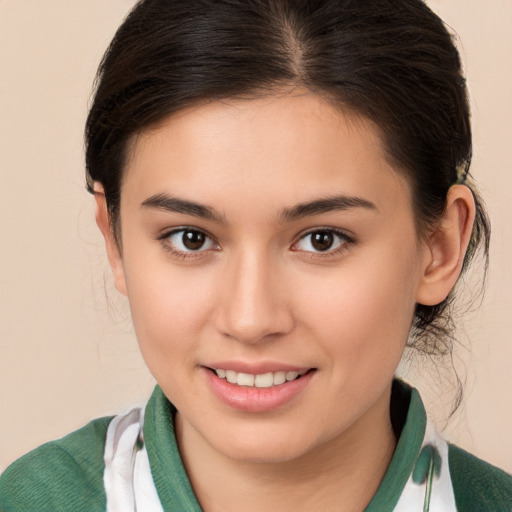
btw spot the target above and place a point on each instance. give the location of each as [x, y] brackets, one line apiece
[254, 301]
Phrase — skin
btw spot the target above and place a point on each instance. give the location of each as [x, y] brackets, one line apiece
[259, 292]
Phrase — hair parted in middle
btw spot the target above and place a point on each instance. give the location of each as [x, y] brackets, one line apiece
[391, 61]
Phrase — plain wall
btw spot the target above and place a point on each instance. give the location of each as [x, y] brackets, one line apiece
[67, 349]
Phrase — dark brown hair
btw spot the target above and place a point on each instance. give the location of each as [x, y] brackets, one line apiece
[392, 61]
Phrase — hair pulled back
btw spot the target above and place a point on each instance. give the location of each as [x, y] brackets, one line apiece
[391, 61]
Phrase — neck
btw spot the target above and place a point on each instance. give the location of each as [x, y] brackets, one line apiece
[341, 474]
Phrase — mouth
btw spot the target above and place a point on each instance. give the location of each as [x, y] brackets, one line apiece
[261, 388]
[261, 380]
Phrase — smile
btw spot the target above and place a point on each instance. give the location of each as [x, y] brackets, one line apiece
[262, 380]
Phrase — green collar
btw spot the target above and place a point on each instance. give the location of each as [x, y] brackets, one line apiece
[174, 488]
[407, 449]
[169, 475]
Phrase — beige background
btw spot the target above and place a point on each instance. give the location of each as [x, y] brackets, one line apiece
[67, 350]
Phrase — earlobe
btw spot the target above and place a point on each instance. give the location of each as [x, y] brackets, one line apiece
[103, 220]
[446, 247]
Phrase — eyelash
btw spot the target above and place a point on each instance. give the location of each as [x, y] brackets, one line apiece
[182, 255]
[344, 240]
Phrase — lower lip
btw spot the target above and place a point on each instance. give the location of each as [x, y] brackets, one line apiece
[253, 399]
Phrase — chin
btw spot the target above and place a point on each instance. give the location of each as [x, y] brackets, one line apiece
[266, 447]
[267, 454]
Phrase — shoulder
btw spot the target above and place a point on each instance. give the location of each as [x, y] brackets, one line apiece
[66, 474]
[478, 485]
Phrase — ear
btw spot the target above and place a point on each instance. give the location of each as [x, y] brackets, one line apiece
[104, 222]
[446, 247]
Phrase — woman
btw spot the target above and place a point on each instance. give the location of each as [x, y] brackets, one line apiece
[285, 197]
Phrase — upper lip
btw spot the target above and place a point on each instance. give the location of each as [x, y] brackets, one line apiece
[256, 368]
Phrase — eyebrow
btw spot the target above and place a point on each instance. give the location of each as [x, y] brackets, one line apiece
[174, 204]
[326, 205]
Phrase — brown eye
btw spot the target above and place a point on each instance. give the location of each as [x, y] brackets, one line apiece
[322, 240]
[193, 240]
[189, 240]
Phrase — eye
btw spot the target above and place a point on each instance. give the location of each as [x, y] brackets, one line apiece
[322, 241]
[187, 240]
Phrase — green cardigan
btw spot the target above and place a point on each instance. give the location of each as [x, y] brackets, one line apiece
[67, 474]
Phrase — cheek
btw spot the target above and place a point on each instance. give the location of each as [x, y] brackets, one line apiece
[364, 311]
[169, 308]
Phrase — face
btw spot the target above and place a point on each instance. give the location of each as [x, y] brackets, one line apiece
[272, 266]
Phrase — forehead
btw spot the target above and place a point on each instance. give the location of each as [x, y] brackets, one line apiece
[275, 149]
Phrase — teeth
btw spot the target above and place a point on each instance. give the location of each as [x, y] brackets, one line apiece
[263, 380]
[245, 379]
[279, 378]
[231, 376]
[292, 375]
